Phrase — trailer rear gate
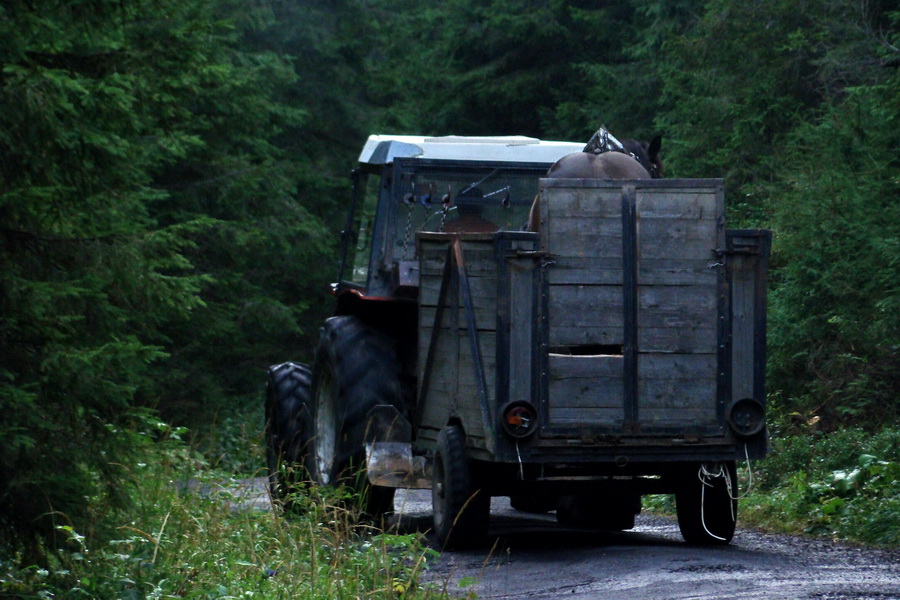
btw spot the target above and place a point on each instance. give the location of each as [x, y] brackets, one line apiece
[634, 293]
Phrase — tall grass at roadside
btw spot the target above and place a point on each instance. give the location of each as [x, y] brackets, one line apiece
[188, 536]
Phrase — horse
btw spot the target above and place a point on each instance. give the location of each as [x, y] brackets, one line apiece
[635, 160]
[646, 153]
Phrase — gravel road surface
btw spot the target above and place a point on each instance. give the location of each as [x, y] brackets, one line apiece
[536, 559]
[533, 558]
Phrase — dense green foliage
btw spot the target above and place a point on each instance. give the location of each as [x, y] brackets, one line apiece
[150, 235]
[172, 176]
[845, 485]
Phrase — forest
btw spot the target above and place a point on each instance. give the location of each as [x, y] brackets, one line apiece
[174, 174]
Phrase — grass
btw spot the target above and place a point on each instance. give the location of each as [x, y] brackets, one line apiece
[176, 542]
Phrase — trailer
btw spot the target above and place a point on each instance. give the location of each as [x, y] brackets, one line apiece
[617, 352]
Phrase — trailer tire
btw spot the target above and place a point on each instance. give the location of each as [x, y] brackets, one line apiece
[707, 512]
[611, 512]
[287, 428]
[356, 369]
[461, 509]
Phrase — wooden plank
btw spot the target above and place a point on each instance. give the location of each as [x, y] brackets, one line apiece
[676, 394]
[583, 335]
[585, 367]
[482, 289]
[479, 259]
[680, 204]
[586, 390]
[450, 346]
[686, 419]
[589, 203]
[440, 403]
[453, 390]
[469, 397]
[577, 270]
[569, 304]
[682, 340]
[488, 341]
[603, 417]
[583, 237]
[444, 375]
[681, 238]
[454, 387]
[677, 366]
[677, 271]
[578, 226]
[485, 318]
[602, 393]
[581, 315]
[680, 307]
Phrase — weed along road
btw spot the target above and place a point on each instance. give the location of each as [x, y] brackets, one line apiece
[532, 557]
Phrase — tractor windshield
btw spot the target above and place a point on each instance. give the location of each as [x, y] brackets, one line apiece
[456, 197]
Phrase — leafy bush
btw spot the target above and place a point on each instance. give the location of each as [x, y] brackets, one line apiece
[845, 485]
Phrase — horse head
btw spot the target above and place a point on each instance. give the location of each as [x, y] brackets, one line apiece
[646, 153]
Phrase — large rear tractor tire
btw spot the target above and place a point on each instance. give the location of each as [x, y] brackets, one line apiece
[356, 369]
[461, 509]
[288, 429]
[706, 503]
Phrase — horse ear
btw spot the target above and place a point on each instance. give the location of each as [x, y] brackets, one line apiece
[654, 147]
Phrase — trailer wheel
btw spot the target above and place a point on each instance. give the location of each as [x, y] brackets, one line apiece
[461, 510]
[707, 506]
[356, 369]
[613, 512]
[287, 427]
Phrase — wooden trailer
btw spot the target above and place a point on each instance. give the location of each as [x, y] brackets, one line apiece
[618, 352]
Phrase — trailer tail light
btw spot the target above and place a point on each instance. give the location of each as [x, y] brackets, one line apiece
[519, 419]
[747, 417]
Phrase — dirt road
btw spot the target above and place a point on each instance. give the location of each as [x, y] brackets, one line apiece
[534, 558]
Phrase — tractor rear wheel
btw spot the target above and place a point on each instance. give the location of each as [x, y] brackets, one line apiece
[356, 369]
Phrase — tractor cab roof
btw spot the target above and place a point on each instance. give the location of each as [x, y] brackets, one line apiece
[383, 149]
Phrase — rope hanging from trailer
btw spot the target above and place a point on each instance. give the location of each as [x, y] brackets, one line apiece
[705, 475]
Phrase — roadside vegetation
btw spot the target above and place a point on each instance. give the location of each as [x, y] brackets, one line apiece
[172, 183]
[191, 532]
[844, 486]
